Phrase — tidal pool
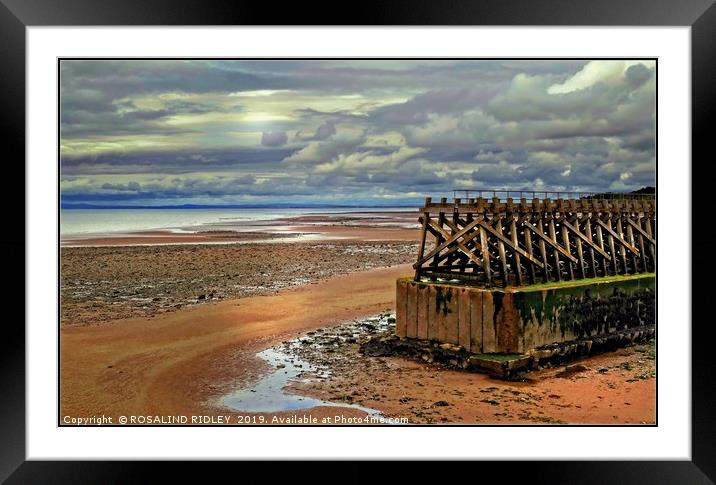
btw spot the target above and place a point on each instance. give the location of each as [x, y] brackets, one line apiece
[269, 394]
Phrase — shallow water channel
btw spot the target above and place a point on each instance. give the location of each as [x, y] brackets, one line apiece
[270, 394]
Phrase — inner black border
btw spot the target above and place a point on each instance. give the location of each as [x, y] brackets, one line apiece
[699, 15]
[398, 59]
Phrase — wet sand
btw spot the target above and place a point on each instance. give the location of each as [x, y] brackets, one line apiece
[102, 284]
[175, 363]
[613, 388]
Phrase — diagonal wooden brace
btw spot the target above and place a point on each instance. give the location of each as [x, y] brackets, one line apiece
[449, 239]
[640, 231]
[617, 238]
[453, 239]
[585, 239]
[549, 241]
[511, 245]
[452, 250]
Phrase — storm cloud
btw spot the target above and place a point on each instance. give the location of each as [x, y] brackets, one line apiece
[350, 131]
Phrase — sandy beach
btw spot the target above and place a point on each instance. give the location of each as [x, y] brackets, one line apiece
[172, 328]
[174, 363]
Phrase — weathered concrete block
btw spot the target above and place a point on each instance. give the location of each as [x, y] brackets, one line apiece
[401, 308]
[423, 300]
[432, 312]
[475, 321]
[489, 320]
[463, 319]
[444, 305]
[579, 309]
[518, 320]
[451, 313]
[507, 335]
[411, 310]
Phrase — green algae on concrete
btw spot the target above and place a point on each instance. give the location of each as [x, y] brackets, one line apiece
[563, 312]
[500, 357]
[584, 281]
[536, 286]
[442, 300]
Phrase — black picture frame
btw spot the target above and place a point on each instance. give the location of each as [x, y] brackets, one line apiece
[16, 15]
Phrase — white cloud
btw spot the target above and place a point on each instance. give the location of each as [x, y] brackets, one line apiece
[594, 72]
[366, 161]
[258, 93]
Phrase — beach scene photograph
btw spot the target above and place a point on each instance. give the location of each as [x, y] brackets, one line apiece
[352, 242]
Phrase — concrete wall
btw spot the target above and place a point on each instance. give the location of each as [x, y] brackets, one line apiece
[515, 320]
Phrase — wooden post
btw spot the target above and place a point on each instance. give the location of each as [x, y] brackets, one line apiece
[622, 251]
[503, 255]
[542, 249]
[642, 246]
[423, 233]
[600, 242]
[630, 235]
[473, 244]
[592, 259]
[485, 256]
[515, 240]
[450, 259]
[612, 249]
[652, 249]
[565, 240]
[439, 240]
[553, 235]
[530, 251]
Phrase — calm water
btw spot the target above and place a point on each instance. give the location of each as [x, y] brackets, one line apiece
[272, 392]
[79, 222]
[269, 394]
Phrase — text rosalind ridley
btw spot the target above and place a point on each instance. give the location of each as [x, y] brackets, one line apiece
[228, 419]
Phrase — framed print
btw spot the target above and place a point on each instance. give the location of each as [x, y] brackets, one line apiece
[356, 241]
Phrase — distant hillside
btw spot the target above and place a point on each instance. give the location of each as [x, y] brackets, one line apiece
[649, 190]
[645, 190]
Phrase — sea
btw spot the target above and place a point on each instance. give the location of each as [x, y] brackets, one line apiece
[76, 223]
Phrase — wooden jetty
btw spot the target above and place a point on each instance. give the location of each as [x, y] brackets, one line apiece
[510, 240]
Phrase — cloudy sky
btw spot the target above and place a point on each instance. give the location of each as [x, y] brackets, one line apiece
[350, 131]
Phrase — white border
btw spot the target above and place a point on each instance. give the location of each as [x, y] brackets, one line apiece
[669, 440]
